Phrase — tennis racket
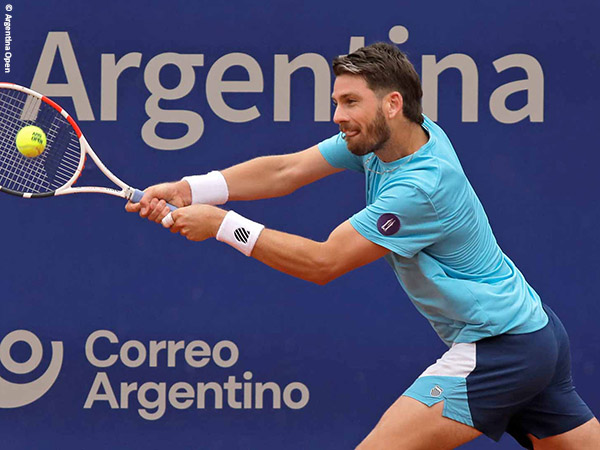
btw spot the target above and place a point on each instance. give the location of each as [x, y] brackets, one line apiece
[55, 171]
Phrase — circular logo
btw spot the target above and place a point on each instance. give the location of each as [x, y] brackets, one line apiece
[388, 224]
[15, 395]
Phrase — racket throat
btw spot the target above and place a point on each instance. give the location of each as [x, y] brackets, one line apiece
[129, 193]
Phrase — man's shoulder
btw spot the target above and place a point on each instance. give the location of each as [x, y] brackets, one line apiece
[424, 175]
[432, 179]
[423, 172]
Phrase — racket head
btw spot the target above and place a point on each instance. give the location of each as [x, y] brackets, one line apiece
[62, 161]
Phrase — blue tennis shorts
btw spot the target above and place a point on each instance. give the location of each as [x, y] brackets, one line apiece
[514, 383]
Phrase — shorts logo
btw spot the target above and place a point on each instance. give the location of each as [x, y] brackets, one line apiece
[15, 395]
[241, 235]
[388, 224]
[436, 391]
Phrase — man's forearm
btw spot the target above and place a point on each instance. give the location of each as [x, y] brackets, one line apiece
[319, 262]
[275, 176]
[295, 255]
[264, 177]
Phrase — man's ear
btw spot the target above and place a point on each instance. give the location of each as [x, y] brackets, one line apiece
[393, 104]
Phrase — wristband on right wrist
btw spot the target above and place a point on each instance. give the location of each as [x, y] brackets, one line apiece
[239, 232]
[208, 189]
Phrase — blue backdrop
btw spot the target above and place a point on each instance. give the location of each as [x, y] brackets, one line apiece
[329, 359]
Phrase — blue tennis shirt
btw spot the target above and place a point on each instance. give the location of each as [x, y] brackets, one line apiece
[442, 249]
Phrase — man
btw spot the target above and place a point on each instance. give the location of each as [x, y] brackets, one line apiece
[508, 367]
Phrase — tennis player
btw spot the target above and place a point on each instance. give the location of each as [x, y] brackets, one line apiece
[508, 364]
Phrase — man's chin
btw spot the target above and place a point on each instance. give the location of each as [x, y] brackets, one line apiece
[358, 150]
[355, 145]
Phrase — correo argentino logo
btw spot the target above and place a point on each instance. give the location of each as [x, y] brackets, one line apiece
[15, 395]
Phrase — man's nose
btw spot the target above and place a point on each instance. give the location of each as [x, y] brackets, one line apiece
[339, 116]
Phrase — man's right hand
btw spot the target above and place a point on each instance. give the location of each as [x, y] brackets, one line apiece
[153, 204]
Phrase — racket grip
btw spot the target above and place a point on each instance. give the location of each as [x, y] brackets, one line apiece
[137, 196]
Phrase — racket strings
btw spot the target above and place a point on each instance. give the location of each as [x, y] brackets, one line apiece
[27, 174]
[47, 172]
[33, 174]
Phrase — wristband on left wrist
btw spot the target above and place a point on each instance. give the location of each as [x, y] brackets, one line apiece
[208, 189]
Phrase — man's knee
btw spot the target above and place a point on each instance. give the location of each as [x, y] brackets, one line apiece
[584, 437]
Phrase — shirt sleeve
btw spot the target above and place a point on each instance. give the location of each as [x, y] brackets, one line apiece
[402, 219]
[335, 151]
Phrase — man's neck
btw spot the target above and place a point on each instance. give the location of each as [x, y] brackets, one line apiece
[407, 137]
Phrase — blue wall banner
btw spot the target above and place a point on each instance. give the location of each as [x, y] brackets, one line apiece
[116, 334]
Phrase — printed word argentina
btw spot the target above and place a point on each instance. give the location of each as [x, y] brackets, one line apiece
[58, 49]
[7, 43]
[103, 350]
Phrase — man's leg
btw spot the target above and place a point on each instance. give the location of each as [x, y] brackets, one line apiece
[410, 425]
[584, 437]
[558, 415]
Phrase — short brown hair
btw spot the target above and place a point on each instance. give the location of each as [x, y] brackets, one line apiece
[385, 68]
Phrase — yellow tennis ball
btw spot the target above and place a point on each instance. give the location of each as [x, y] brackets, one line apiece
[31, 141]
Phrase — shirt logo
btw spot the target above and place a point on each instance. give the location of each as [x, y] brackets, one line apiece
[388, 224]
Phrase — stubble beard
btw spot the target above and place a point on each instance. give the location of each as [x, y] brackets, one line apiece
[376, 135]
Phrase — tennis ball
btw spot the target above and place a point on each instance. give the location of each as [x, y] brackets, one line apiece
[31, 141]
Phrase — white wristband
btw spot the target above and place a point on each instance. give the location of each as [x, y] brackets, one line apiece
[208, 189]
[239, 232]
